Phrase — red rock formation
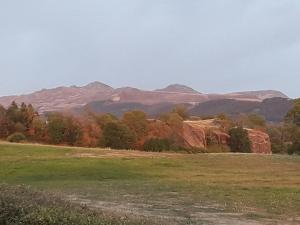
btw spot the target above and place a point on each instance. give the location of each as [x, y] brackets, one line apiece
[194, 135]
[197, 133]
[260, 142]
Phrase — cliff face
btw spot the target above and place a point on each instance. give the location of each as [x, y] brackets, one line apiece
[200, 134]
[260, 142]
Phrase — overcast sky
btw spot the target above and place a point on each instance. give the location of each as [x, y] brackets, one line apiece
[212, 46]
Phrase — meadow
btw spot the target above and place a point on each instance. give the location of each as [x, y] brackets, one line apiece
[163, 188]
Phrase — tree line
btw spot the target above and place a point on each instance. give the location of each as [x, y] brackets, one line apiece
[135, 131]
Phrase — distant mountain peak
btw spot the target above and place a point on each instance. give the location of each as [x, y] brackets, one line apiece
[179, 88]
[262, 94]
[97, 84]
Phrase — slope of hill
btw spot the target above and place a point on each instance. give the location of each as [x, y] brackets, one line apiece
[262, 95]
[119, 108]
[67, 98]
[62, 98]
[273, 109]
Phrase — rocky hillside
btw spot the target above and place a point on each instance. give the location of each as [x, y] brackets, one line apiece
[100, 97]
[274, 109]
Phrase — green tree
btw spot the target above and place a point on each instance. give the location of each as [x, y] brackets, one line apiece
[157, 145]
[239, 140]
[118, 136]
[293, 115]
[137, 122]
[63, 129]
[56, 128]
[278, 139]
[4, 123]
[73, 131]
[292, 120]
[104, 119]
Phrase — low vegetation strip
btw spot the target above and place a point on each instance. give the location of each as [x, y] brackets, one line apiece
[20, 205]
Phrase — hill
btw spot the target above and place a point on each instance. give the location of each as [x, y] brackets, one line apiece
[274, 109]
[103, 98]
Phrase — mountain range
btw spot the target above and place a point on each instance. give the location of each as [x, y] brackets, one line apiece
[102, 98]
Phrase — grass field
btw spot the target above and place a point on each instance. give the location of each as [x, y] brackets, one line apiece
[173, 188]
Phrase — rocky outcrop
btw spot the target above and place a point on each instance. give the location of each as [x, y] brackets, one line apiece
[194, 135]
[201, 133]
[260, 142]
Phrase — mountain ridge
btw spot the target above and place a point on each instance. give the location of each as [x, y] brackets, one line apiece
[66, 98]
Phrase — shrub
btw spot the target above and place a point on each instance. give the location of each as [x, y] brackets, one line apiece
[118, 136]
[294, 148]
[23, 206]
[157, 145]
[239, 140]
[16, 137]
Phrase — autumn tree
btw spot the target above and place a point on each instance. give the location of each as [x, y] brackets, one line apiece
[182, 111]
[91, 133]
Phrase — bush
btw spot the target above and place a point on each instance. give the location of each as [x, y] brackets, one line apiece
[157, 145]
[118, 136]
[239, 140]
[294, 149]
[23, 206]
[16, 137]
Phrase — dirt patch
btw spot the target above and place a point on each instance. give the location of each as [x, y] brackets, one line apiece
[171, 213]
[122, 154]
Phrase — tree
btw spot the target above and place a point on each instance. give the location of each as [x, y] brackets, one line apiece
[56, 128]
[118, 136]
[91, 133]
[4, 123]
[239, 140]
[293, 115]
[37, 130]
[292, 120]
[63, 129]
[294, 148]
[252, 121]
[157, 145]
[137, 122]
[182, 111]
[277, 138]
[175, 122]
[104, 119]
[73, 131]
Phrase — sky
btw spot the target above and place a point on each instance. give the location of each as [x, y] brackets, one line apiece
[214, 46]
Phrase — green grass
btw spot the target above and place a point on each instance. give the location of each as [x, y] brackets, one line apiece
[259, 186]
